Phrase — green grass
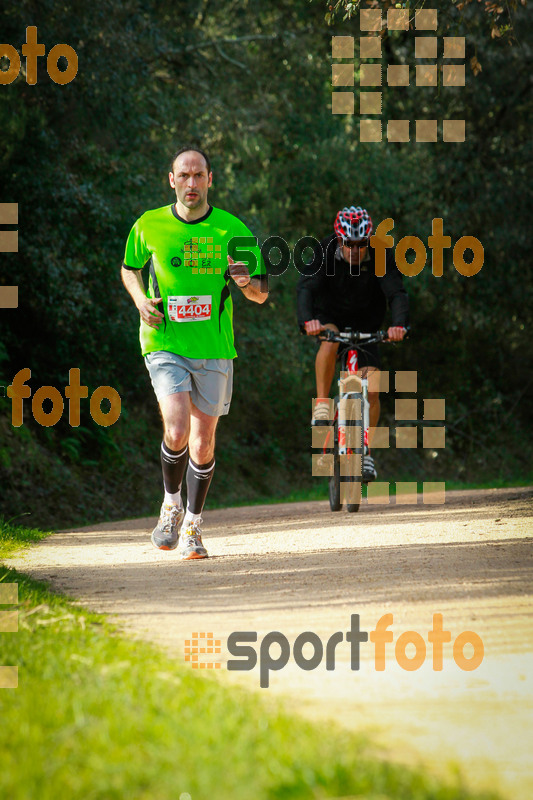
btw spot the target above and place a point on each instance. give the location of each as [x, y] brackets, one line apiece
[498, 483]
[97, 716]
[15, 537]
[317, 492]
[320, 491]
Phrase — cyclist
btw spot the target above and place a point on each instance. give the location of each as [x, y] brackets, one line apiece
[339, 289]
[186, 333]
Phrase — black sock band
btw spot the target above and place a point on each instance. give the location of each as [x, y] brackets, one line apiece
[198, 481]
[173, 464]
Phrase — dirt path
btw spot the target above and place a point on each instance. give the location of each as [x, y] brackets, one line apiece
[294, 568]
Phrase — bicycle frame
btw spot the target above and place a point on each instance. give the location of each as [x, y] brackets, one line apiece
[351, 387]
[351, 420]
[348, 387]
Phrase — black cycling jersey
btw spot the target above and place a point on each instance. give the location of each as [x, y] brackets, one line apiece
[351, 293]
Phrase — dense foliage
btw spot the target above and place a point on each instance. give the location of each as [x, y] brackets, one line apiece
[251, 82]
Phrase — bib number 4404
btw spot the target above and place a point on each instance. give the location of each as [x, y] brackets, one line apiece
[194, 312]
[189, 308]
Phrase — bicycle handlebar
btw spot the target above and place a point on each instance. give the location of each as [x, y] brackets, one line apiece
[352, 337]
[355, 337]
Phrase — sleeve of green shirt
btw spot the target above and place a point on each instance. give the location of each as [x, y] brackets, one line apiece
[243, 247]
[136, 254]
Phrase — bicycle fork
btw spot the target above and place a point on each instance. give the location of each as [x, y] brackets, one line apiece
[352, 426]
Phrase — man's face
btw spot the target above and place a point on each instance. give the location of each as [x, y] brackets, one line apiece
[190, 179]
[351, 252]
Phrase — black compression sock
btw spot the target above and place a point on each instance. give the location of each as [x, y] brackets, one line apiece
[173, 464]
[198, 481]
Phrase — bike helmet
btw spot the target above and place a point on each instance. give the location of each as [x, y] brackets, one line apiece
[353, 223]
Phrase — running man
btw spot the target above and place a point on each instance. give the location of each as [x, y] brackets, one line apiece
[345, 293]
[186, 333]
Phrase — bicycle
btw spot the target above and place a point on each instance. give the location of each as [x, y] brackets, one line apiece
[350, 421]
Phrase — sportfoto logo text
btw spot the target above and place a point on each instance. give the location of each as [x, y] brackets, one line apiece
[274, 651]
[278, 255]
[32, 50]
[74, 392]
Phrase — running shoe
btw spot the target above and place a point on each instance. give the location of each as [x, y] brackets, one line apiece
[166, 533]
[190, 541]
[369, 468]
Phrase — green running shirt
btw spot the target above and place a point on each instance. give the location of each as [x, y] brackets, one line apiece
[188, 270]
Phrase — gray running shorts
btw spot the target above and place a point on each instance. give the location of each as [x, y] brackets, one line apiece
[209, 380]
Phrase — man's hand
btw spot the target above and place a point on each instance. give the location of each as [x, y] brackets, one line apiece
[313, 327]
[149, 313]
[396, 334]
[239, 272]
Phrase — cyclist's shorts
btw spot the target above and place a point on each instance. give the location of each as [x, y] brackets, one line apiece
[367, 357]
[209, 380]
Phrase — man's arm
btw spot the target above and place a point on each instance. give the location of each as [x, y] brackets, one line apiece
[394, 290]
[256, 290]
[132, 280]
[397, 298]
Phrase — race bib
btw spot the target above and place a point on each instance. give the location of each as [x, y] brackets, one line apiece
[189, 308]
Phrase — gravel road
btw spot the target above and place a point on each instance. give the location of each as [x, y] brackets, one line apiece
[297, 567]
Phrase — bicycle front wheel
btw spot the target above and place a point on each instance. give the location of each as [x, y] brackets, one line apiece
[355, 419]
[335, 479]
